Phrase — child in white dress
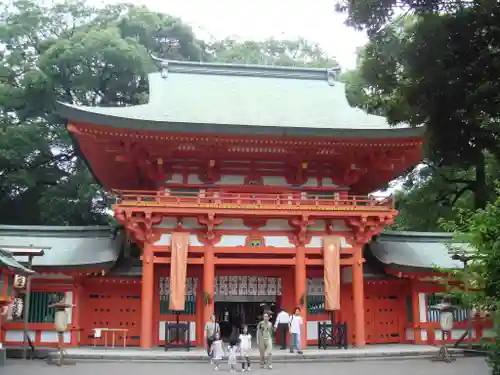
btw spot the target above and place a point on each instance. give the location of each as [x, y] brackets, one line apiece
[217, 351]
[245, 348]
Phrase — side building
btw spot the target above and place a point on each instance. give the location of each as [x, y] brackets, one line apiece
[95, 269]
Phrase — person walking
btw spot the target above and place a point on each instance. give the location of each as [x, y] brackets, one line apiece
[295, 328]
[281, 326]
[212, 329]
[265, 341]
[245, 348]
[217, 351]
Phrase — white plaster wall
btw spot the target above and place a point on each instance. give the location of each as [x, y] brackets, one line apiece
[410, 334]
[194, 179]
[191, 223]
[175, 179]
[230, 223]
[231, 240]
[165, 240]
[192, 330]
[277, 224]
[168, 222]
[317, 241]
[311, 181]
[187, 223]
[423, 334]
[457, 333]
[312, 329]
[339, 225]
[274, 181]
[51, 337]
[318, 225]
[422, 308]
[18, 335]
[68, 298]
[228, 179]
[278, 241]
[327, 182]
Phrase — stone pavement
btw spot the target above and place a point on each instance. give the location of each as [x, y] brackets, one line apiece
[310, 354]
[462, 366]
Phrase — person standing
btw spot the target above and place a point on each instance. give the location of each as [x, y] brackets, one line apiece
[281, 326]
[295, 328]
[265, 341]
[212, 329]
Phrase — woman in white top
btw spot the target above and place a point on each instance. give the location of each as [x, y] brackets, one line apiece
[295, 328]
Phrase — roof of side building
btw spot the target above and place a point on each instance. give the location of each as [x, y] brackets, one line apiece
[64, 247]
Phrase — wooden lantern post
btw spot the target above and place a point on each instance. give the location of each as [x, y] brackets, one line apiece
[446, 325]
[61, 323]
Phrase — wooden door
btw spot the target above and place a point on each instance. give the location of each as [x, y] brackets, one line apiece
[110, 305]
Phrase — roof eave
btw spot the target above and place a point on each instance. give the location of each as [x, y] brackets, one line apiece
[72, 113]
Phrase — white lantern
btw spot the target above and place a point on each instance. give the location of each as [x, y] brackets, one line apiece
[17, 307]
[19, 282]
[61, 321]
[446, 321]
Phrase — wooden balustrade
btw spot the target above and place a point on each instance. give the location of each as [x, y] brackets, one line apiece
[218, 199]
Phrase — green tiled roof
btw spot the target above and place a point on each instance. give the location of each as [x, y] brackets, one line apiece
[8, 261]
[415, 250]
[64, 247]
[238, 99]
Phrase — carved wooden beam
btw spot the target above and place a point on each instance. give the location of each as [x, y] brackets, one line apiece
[365, 227]
[210, 237]
[140, 226]
[301, 236]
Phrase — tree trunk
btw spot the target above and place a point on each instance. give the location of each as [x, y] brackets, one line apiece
[481, 190]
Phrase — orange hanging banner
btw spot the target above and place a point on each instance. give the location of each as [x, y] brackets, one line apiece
[178, 269]
[331, 259]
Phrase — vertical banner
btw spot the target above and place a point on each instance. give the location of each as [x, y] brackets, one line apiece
[331, 259]
[178, 270]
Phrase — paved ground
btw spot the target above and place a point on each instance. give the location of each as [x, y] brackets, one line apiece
[463, 366]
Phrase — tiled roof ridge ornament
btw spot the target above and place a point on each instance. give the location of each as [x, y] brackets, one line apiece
[163, 66]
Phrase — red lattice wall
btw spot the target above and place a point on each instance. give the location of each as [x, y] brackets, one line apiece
[111, 304]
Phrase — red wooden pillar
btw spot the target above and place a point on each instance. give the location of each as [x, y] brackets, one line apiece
[415, 311]
[300, 290]
[76, 312]
[358, 298]
[208, 284]
[147, 294]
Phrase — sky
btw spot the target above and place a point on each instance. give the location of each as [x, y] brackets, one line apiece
[314, 20]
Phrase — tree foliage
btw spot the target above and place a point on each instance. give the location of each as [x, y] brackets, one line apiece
[72, 52]
[439, 70]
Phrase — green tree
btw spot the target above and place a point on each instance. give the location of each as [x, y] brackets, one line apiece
[75, 53]
[439, 70]
[298, 52]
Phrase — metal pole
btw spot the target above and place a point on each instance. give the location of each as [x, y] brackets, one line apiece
[27, 301]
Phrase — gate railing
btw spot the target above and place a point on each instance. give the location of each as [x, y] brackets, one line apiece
[217, 199]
